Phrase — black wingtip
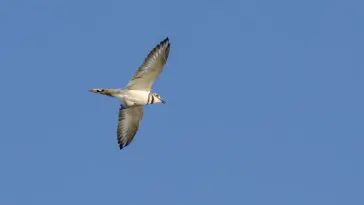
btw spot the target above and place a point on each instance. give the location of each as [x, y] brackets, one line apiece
[166, 40]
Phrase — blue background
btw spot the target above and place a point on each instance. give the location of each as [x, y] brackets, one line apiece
[264, 102]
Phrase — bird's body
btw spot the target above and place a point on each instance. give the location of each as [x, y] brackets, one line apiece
[135, 97]
[137, 93]
[131, 98]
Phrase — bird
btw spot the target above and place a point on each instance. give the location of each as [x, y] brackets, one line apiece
[138, 93]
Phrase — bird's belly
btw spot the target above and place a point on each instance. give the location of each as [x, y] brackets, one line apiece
[136, 98]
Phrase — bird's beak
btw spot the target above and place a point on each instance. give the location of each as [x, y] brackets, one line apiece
[163, 101]
[92, 90]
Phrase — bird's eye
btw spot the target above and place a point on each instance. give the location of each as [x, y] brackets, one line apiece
[100, 90]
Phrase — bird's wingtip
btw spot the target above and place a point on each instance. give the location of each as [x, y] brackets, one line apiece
[166, 40]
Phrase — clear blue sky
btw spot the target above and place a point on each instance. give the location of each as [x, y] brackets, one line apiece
[264, 102]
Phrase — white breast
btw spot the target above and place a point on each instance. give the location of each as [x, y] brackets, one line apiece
[136, 97]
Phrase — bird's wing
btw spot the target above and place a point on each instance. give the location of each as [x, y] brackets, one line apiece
[128, 124]
[152, 66]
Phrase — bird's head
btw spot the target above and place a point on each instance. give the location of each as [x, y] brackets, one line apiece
[157, 98]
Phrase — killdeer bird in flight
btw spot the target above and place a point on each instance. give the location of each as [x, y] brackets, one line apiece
[137, 93]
